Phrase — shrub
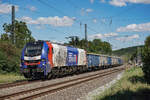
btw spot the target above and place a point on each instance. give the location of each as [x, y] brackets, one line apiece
[9, 57]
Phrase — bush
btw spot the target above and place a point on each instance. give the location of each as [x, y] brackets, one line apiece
[146, 63]
[9, 57]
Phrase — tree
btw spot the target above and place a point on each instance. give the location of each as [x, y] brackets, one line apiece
[147, 41]
[5, 37]
[9, 57]
[76, 41]
[10, 53]
[107, 49]
[95, 46]
[22, 33]
[146, 59]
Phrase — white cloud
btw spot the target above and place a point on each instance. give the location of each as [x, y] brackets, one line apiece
[54, 21]
[88, 10]
[32, 8]
[110, 34]
[121, 3]
[128, 38]
[6, 8]
[58, 41]
[135, 28]
[103, 1]
[100, 36]
[92, 1]
[82, 12]
[39, 27]
[139, 1]
[139, 42]
[96, 36]
[26, 19]
[95, 20]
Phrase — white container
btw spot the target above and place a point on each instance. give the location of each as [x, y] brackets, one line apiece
[59, 55]
[81, 57]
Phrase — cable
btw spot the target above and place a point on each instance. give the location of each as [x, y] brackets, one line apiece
[50, 6]
[70, 2]
[37, 12]
[62, 13]
[26, 9]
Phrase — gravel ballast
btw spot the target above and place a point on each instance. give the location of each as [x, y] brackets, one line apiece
[98, 91]
[84, 91]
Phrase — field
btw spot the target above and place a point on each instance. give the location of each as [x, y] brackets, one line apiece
[7, 78]
[131, 86]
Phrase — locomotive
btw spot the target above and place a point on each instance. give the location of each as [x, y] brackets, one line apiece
[43, 59]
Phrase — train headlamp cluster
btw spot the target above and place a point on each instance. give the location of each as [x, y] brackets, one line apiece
[43, 60]
[26, 70]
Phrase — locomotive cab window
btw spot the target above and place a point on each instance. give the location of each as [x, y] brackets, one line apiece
[33, 49]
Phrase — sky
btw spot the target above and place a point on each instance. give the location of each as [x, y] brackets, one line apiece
[122, 23]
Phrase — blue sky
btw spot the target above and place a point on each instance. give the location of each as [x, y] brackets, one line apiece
[123, 23]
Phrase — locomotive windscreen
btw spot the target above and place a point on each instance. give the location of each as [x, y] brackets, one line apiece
[33, 49]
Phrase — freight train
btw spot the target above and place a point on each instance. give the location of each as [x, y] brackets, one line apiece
[43, 59]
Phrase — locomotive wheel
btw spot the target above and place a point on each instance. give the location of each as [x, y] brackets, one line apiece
[61, 72]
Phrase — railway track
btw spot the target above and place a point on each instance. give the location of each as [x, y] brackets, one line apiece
[24, 82]
[41, 91]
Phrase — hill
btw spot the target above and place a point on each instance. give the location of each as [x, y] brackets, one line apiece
[126, 51]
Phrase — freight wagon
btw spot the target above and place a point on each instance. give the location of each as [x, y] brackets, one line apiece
[98, 61]
[43, 59]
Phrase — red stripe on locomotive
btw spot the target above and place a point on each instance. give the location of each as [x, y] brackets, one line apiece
[50, 54]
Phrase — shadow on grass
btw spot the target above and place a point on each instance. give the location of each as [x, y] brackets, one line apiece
[136, 79]
[140, 94]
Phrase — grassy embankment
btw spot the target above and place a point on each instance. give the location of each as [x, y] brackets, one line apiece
[8, 78]
[9, 63]
[131, 86]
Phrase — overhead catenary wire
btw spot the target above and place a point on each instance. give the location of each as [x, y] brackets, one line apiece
[50, 6]
[62, 13]
[76, 6]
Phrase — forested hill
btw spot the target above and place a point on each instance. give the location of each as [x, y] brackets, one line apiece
[125, 51]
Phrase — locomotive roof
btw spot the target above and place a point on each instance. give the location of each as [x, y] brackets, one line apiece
[103, 55]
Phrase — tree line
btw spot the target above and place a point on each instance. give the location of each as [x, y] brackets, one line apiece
[93, 46]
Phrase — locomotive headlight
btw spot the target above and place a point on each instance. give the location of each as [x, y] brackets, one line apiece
[43, 60]
[39, 70]
[25, 70]
[43, 64]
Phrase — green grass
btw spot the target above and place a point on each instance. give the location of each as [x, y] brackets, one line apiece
[131, 86]
[12, 77]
